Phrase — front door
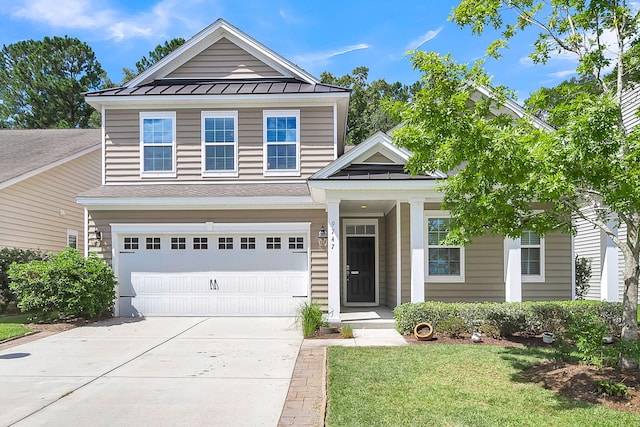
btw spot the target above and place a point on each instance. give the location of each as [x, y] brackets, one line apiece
[361, 270]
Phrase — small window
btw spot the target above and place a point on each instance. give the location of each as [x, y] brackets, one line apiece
[225, 242]
[274, 243]
[296, 242]
[131, 243]
[219, 143]
[444, 262]
[200, 243]
[178, 243]
[531, 256]
[72, 239]
[153, 243]
[157, 144]
[247, 243]
[281, 137]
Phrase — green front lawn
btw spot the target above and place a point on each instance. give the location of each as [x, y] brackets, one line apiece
[12, 326]
[450, 385]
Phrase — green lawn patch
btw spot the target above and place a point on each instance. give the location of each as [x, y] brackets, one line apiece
[13, 326]
[450, 385]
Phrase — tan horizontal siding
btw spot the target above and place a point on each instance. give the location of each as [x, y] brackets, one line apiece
[391, 289]
[36, 213]
[484, 274]
[557, 284]
[100, 220]
[224, 60]
[122, 164]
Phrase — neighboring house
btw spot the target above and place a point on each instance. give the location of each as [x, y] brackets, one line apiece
[41, 172]
[226, 190]
[605, 258]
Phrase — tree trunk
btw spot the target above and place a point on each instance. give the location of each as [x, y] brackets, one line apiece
[630, 308]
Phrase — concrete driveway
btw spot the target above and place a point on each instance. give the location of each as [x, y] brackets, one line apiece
[152, 372]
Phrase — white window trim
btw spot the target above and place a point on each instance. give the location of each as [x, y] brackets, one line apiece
[437, 278]
[219, 114]
[534, 278]
[73, 233]
[158, 115]
[280, 113]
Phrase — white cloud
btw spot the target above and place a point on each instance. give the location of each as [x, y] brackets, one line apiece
[105, 23]
[324, 56]
[429, 35]
[289, 18]
[562, 74]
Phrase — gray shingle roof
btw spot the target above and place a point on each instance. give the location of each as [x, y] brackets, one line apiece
[198, 190]
[25, 150]
[378, 172]
[220, 87]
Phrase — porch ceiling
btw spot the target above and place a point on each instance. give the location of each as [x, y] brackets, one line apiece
[371, 207]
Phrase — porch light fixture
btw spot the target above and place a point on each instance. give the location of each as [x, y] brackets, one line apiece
[322, 238]
[96, 237]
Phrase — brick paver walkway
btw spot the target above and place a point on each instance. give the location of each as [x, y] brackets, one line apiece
[306, 400]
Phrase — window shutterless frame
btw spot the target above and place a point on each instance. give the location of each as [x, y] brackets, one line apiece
[447, 262]
[532, 256]
[158, 144]
[219, 139]
[281, 142]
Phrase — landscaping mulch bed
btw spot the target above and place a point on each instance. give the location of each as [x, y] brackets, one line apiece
[574, 381]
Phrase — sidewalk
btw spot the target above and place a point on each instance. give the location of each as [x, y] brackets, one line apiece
[306, 400]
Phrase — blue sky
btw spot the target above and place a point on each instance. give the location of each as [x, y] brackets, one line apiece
[334, 36]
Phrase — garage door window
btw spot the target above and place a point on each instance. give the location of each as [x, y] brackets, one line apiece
[131, 243]
[178, 243]
[225, 242]
[200, 243]
[296, 242]
[274, 243]
[247, 243]
[153, 243]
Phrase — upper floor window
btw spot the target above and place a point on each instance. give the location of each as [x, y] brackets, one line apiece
[281, 133]
[158, 144]
[531, 257]
[445, 263]
[219, 143]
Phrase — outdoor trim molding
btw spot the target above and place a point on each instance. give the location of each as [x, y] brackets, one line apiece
[199, 203]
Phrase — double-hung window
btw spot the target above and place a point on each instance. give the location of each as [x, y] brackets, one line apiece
[158, 144]
[531, 257]
[219, 143]
[445, 263]
[281, 134]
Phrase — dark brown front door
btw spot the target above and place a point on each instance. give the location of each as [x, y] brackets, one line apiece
[361, 269]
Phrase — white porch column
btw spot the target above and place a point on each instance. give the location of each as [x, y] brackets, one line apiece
[333, 259]
[609, 274]
[417, 249]
[398, 252]
[512, 270]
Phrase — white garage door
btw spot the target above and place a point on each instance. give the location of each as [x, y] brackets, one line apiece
[208, 274]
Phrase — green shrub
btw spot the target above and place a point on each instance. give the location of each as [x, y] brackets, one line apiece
[346, 331]
[67, 286]
[585, 333]
[453, 326]
[490, 330]
[7, 257]
[610, 388]
[309, 318]
[582, 276]
[509, 318]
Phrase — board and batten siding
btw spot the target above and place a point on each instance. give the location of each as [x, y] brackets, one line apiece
[37, 212]
[100, 220]
[122, 145]
[224, 60]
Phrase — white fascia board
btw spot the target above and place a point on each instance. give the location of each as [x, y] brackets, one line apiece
[217, 101]
[210, 227]
[42, 169]
[412, 185]
[199, 203]
[369, 146]
[516, 109]
[207, 37]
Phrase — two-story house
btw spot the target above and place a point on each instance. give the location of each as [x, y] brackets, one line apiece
[226, 190]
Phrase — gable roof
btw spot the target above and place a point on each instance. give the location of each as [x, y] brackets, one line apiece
[25, 152]
[208, 36]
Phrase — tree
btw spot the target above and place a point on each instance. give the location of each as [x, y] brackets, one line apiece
[41, 83]
[587, 167]
[155, 55]
[366, 114]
